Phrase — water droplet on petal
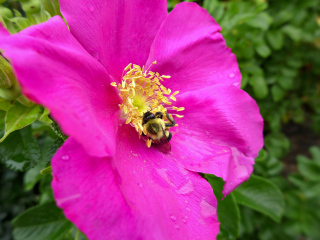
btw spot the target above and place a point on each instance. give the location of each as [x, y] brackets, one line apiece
[65, 157]
[207, 210]
[231, 75]
[177, 226]
[140, 185]
[173, 218]
[184, 220]
[187, 189]
[186, 201]
[188, 209]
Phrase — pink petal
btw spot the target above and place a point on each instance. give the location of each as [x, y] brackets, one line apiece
[190, 48]
[140, 194]
[115, 32]
[55, 71]
[220, 133]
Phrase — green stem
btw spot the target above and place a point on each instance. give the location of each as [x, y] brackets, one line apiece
[77, 235]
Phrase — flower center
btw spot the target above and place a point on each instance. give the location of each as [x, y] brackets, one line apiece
[141, 91]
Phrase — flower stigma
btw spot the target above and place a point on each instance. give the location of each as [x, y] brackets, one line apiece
[141, 91]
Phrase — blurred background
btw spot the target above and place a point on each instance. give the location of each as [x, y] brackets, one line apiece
[277, 44]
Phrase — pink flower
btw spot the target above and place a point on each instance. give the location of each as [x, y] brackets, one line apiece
[105, 179]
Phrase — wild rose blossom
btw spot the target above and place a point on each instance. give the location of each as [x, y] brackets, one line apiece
[107, 181]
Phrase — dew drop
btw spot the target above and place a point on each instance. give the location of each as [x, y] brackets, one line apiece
[65, 157]
[184, 220]
[140, 185]
[91, 8]
[188, 209]
[187, 189]
[207, 210]
[186, 201]
[173, 218]
[231, 75]
[177, 226]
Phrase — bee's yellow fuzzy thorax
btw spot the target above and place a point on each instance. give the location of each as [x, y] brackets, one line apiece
[141, 90]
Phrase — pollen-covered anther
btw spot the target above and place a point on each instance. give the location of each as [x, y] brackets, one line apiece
[141, 91]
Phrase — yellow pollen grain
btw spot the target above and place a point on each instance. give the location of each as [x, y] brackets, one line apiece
[142, 91]
[148, 143]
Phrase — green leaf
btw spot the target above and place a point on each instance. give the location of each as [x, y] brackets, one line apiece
[294, 33]
[44, 117]
[263, 50]
[21, 22]
[277, 93]
[309, 169]
[275, 39]
[5, 104]
[20, 151]
[286, 82]
[51, 6]
[55, 127]
[277, 144]
[19, 116]
[315, 152]
[261, 195]
[41, 222]
[31, 7]
[228, 210]
[47, 170]
[261, 20]
[33, 176]
[263, 156]
[53, 148]
[260, 87]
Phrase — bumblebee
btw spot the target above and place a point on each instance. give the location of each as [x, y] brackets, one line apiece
[157, 129]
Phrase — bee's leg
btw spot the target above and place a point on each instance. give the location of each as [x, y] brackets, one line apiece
[159, 115]
[168, 135]
[173, 123]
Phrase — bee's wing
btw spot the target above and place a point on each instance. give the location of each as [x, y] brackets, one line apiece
[163, 143]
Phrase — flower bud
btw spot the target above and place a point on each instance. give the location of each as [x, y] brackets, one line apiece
[9, 88]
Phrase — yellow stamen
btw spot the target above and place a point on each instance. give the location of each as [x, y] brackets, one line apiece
[165, 76]
[178, 109]
[142, 91]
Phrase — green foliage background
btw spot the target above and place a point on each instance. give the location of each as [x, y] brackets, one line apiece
[277, 43]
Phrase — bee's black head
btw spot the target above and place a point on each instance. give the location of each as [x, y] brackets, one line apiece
[147, 116]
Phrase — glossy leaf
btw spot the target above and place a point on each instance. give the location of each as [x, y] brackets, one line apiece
[19, 116]
[275, 39]
[44, 117]
[20, 151]
[228, 210]
[261, 20]
[5, 104]
[41, 222]
[261, 195]
[309, 169]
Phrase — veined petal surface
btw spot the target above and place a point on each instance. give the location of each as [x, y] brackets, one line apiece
[190, 49]
[116, 32]
[220, 133]
[139, 194]
[54, 70]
